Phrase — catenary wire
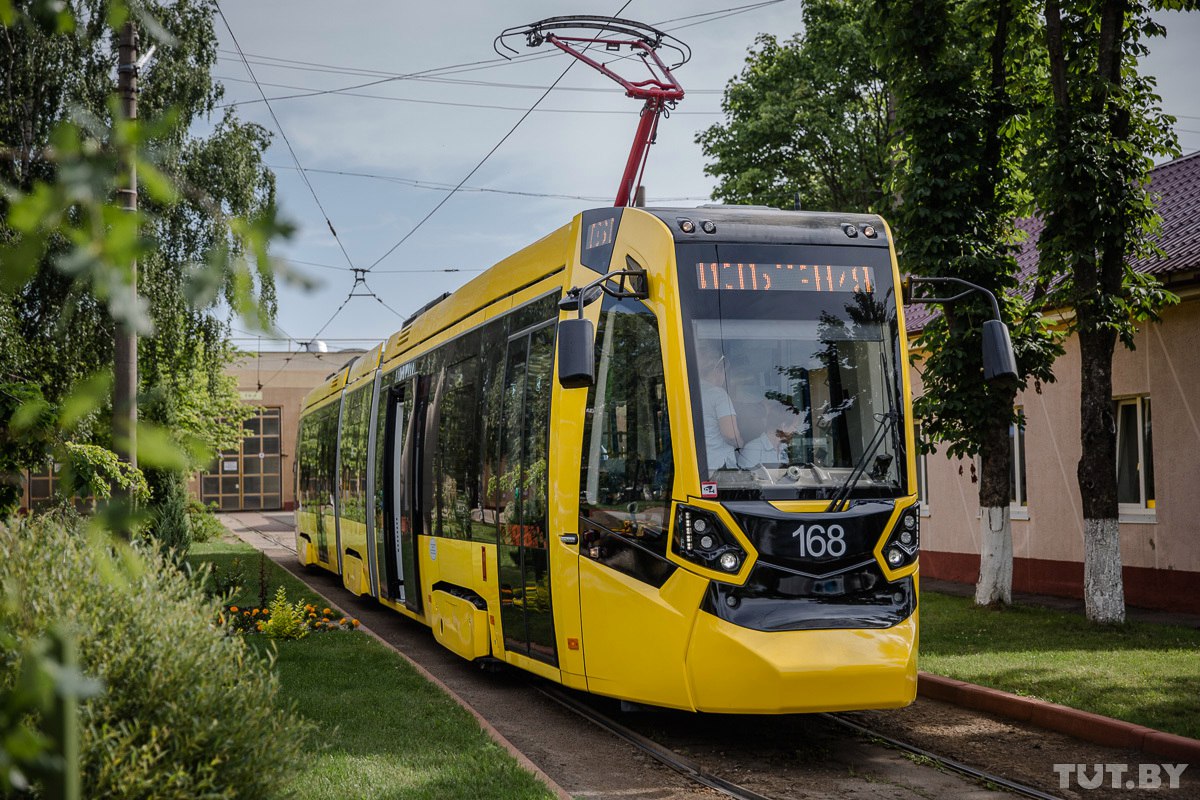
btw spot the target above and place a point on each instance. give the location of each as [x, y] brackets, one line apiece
[711, 16]
[284, 135]
[483, 160]
[454, 104]
[437, 186]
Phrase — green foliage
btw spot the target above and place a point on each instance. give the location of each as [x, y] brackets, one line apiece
[170, 525]
[24, 440]
[1100, 129]
[203, 522]
[956, 68]
[38, 735]
[187, 712]
[286, 620]
[199, 239]
[90, 470]
[807, 117]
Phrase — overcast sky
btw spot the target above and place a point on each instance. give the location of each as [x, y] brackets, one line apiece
[418, 138]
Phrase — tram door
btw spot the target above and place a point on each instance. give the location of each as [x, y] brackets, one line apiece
[526, 613]
[397, 546]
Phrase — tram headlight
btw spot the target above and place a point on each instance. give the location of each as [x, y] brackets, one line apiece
[701, 537]
[904, 542]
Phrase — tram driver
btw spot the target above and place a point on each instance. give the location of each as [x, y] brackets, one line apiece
[722, 440]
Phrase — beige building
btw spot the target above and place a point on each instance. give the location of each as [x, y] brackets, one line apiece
[260, 475]
[1156, 397]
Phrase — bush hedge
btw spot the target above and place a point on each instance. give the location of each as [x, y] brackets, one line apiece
[186, 710]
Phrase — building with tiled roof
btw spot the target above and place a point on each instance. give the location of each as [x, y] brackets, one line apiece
[1156, 396]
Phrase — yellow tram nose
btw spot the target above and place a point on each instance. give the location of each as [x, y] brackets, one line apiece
[737, 670]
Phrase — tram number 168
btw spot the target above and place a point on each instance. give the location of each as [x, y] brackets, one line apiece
[818, 541]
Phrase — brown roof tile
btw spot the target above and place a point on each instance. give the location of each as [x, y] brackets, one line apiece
[1177, 186]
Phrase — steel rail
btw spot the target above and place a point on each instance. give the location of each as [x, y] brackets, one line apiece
[684, 766]
[943, 761]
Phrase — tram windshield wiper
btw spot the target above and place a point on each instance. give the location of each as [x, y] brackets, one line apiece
[842, 495]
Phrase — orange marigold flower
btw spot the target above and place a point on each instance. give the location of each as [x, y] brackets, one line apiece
[342, 621]
[254, 613]
[233, 609]
[245, 613]
[326, 611]
[354, 622]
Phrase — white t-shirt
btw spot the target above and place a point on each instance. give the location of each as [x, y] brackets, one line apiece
[766, 449]
[716, 404]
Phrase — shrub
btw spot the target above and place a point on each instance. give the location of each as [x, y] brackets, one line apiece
[205, 525]
[187, 711]
[170, 524]
[286, 620]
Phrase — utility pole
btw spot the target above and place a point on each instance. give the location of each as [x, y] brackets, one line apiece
[124, 411]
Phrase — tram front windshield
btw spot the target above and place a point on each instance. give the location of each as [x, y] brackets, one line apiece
[793, 354]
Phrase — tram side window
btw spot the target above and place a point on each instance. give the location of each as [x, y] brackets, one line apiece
[457, 467]
[628, 468]
[491, 379]
[308, 489]
[353, 452]
[327, 456]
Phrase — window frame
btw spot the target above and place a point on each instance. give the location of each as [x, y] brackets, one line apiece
[1018, 500]
[1146, 506]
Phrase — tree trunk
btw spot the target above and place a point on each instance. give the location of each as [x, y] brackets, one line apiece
[1104, 593]
[995, 526]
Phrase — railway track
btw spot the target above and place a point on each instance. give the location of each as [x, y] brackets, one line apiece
[692, 770]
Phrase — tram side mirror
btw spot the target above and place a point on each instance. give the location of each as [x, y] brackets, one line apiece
[998, 359]
[576, 356]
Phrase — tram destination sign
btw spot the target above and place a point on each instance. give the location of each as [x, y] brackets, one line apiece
[743, 276]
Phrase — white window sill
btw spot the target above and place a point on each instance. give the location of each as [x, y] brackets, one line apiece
[1018, 513]
[924, 510]
[1140, 517]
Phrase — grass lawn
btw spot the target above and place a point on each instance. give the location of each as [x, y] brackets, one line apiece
[1143, 673]
[382, 731]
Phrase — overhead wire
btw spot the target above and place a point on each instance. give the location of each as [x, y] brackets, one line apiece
[432, 74]
[443, 187]
[391, 78]
[452, 103]
[284, 136]
[483, 160]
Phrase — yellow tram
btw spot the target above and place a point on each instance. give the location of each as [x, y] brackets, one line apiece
[663, 455]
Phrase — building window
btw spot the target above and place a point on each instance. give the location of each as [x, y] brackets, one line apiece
[922, 472]
[1017, 495]
[1135, 455]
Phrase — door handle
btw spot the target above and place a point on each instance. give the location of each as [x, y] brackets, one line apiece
[569, 538]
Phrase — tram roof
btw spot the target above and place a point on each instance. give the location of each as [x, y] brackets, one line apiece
[764, 225]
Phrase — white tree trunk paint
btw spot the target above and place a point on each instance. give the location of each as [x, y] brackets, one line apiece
[995, 557]
[1103, 589]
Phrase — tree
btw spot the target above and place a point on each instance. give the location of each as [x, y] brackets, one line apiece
[807, 118]
[208, 209]
[952, 66]
[1099, 128]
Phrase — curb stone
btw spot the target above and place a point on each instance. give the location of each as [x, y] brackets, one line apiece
[1063, 719]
